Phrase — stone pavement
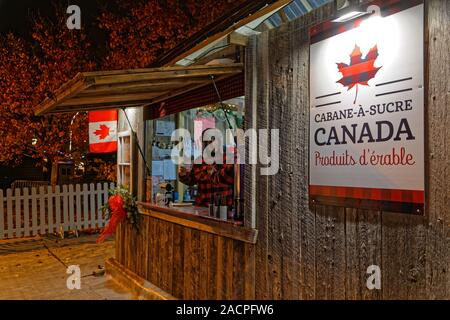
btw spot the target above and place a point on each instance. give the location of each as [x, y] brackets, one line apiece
[35, 269]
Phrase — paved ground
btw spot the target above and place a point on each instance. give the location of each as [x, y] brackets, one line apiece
[35, 269]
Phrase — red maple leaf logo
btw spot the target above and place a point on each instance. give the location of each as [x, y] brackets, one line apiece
[360, 70]
[103, 132]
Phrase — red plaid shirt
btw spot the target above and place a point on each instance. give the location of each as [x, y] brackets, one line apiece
[213, 181]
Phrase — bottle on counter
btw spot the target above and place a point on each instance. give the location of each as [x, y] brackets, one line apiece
[186, 196]
[217, 206]
[223, 209]
[212, 209]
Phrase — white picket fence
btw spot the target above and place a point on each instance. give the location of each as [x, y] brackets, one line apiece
[45, 210]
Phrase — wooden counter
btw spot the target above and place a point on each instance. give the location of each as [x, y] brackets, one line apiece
[189, 255]
[198, 218]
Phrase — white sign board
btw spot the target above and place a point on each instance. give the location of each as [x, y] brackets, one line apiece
[164, 128]
[367, 111]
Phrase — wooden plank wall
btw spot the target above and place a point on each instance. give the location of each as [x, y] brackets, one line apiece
[323, 252]
[187, 263]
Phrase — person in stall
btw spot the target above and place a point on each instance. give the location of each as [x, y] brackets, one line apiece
[215, 181]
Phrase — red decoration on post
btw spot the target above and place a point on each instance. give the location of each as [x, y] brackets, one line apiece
[120, 207]
[118, 215]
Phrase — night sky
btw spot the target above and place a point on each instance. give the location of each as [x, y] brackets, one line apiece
[15, 15]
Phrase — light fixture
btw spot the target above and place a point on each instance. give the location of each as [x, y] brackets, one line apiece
[349, 11]
[350, 16]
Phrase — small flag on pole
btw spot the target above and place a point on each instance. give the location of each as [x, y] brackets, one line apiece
[103, 131]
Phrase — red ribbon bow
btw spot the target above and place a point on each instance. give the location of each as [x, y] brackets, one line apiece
[118, 215]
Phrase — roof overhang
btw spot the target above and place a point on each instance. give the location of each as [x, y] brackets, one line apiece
[131, 88]
[246, 16]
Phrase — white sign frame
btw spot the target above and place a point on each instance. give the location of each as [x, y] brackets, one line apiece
[395, 70]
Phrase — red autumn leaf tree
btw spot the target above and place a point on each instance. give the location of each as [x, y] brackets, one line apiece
[34, 67]
[360, 70]
[140, 31]
[30, 70]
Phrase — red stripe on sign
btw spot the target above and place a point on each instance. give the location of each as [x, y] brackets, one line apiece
[101, 116]
[411, 196]
[356, 69]
[104, 147]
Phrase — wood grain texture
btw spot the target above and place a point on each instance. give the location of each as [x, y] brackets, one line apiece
[138, 286]
[211, 290]
[205, 224]
[227, 272]
[219, 268]
[403, 256]
[249, 180]
[285, 251]
[330, 253]
[438, 196]
[249, 272]
[280, 189]
[324, 253]
[363, 249]
[195, 264]
[178, 261]
[303, 251]
[166, 256]
[204, 260]
[187, 287]
[80, 92]
[238, 274]
[187, 263]
[153, 250]
[262, 104]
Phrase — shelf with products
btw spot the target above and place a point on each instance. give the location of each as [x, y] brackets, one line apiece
[185, 185]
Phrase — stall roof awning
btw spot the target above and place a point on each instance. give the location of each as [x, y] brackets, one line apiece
[131, 88]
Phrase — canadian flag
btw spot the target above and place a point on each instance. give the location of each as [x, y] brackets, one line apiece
[103, 131]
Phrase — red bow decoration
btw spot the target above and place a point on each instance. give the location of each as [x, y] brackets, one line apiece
[118, 215]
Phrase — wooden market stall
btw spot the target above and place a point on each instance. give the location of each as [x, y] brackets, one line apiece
[131, 88]
[287, 246]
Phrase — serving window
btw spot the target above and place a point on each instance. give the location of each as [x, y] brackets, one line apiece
[183, 174]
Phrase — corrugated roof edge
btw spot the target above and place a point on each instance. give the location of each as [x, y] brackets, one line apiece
[224, 22]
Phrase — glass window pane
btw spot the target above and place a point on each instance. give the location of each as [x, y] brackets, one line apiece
[194, 181]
